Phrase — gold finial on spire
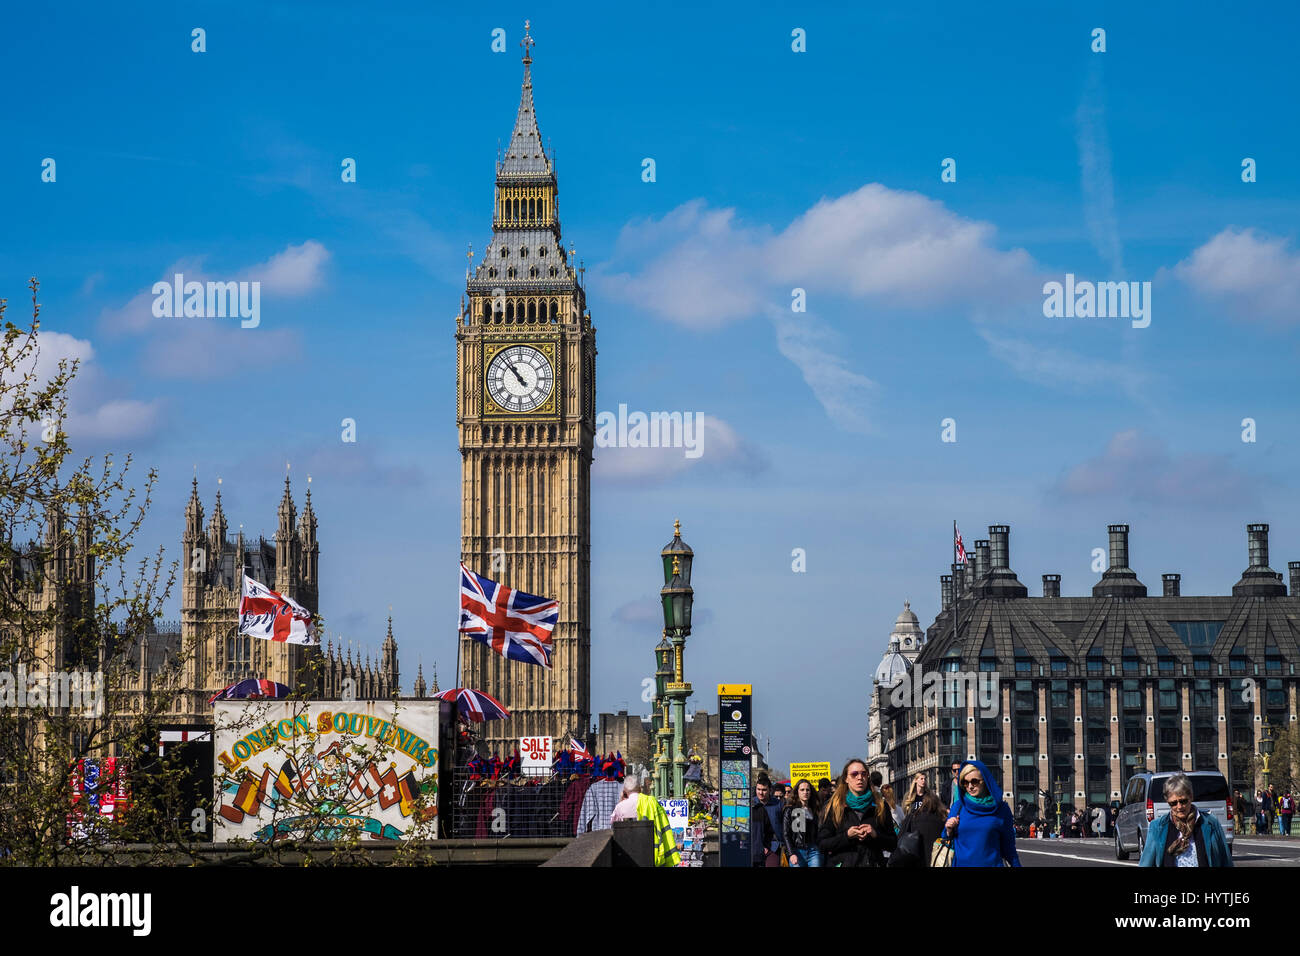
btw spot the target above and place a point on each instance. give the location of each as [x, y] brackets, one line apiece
[677, 565]
[677, 528]
[527, 43]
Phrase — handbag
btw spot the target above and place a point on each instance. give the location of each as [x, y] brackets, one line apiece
[908, 851]
[942, 852]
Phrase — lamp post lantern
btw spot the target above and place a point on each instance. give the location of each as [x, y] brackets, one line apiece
[1266, 747]
[677, 598]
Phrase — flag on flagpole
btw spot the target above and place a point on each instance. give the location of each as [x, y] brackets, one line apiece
[958, 545]
[516, 625]
[578, 750]
[273, 617]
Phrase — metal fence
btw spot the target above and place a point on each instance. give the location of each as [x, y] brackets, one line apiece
[530, 805]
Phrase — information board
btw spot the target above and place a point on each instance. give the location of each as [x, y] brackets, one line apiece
[735, 760]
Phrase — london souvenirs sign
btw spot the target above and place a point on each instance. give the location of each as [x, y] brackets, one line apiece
[325, 770]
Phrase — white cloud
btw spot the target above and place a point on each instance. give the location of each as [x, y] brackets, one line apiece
[1095, 171]
[1053, 367]
[846, 395]
[1139, 467]
[95, 410]
[295, 271]
[721, 448]
[1255, 275]
[699, 267]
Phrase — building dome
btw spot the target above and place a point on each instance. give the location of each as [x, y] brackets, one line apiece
[907, 631]
[892, 666]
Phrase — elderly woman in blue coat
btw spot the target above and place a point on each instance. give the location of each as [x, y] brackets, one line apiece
[980, 822]
[1184, 836]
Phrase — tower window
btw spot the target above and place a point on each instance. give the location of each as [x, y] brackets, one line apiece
[523, 252]
[552, 273]
[533, 272]
[542, 252]
[503, 252]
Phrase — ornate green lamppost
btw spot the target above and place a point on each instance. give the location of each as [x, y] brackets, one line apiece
[677, 597]
[663, 730]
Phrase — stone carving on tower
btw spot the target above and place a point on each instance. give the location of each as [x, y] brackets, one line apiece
[525, 393]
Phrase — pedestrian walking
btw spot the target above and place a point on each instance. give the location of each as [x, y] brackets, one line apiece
[983, 831]
[955, 789]
[824, 791]
[1241, 808]
[1098, 821]
[1184, 836]
[799, 827]
[1270, 807]
[895, 811]
[765, 848]
[1285, 810]
[856, 829]
[625, 809]
[1261, 814]
[922, 825]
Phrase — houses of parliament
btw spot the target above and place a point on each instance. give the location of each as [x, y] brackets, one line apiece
[203, 652]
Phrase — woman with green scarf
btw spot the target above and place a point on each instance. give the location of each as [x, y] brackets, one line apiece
[857, 829]
[980, 821]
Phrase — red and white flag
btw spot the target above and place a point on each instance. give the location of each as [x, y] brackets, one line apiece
[961, 548]
[273, 617]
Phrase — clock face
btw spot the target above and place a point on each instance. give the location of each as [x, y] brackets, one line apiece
[520, 378]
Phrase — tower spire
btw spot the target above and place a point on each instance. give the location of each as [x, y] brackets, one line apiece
[525, 155]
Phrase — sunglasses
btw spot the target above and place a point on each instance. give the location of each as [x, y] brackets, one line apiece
[1179, 803]
[972, 781]
[858, 773]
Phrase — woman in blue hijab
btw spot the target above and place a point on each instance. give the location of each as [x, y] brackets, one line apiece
[981, 824]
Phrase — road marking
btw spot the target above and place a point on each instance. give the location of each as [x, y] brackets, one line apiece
[1075, 856]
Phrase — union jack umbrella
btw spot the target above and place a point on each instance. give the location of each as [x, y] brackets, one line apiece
[513, 623]
[251, 688]
[578, 749]
[474, 704]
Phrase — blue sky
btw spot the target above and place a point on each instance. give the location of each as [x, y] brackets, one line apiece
[775, 170]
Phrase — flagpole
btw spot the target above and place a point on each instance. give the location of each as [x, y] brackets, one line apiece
[954, 581]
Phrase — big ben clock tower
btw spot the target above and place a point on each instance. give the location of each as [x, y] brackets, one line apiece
[525, 404]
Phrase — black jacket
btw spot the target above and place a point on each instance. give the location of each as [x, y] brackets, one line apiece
[760, 833]
[839, 849]
[793, 838]
[928, 826]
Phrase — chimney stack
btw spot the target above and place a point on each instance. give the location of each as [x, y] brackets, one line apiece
[1119, 580]
[945, 590]
[1001, 581]
[1173, 585]
[1258, 580]
[1294, 567]
[1118, 546]
[981, 559]
[958, 581]
[1051, 585]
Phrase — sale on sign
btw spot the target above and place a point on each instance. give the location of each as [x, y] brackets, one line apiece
[535, 753]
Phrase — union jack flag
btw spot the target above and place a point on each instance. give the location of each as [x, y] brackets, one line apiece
[516, 625]
[961, 548]
[578, 750]
[273, 617]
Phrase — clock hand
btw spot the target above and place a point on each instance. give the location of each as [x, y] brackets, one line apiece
[518, 376]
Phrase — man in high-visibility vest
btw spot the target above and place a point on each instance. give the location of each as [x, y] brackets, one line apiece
[648, 808]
